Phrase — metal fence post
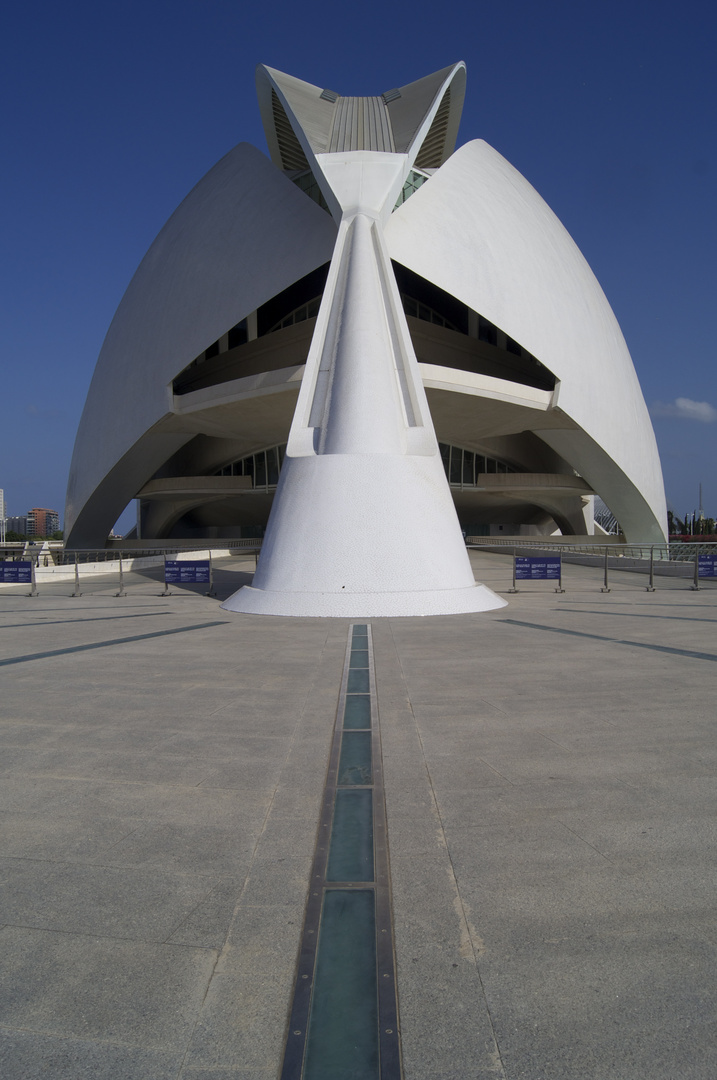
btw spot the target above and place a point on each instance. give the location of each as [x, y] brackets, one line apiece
[77, 578]
[211, 577]
[606, 587]
[651, 586]
[33, 577]
[696, 584]
[166, 586]
[513, 590]
[560, 575]
[122, 591]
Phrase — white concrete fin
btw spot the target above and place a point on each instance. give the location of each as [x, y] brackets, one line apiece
[413, 110]
[364, 409]
[311, 112]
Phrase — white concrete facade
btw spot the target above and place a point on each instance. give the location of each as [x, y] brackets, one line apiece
[445, 299]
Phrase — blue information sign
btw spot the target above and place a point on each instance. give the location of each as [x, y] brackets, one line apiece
[537, 568]
[186, 572]
[706, 565]
[16, 572]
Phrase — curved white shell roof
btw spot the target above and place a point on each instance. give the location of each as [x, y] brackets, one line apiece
[476, 229]
[479, 231]
[244, 233]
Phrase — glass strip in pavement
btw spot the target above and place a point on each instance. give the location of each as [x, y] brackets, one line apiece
[344, 1016]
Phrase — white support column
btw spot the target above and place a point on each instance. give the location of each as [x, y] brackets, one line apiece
[363, 523]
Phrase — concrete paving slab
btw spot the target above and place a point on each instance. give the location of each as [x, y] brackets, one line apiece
[278, 880]
[207, 925]
[32, 836]
[602, 1005]
[86, 987]
[263, 939]
[551, 792]
[77, 898]
[191, 1073]
[214, 850]
[243, 1022]
[33, 1056]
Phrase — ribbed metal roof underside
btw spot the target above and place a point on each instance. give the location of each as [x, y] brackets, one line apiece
[292, 155]
[361, 123]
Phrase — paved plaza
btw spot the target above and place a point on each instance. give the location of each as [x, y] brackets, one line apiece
[550, 775]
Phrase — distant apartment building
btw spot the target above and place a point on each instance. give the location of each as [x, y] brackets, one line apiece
[42, 522]
[17, 524]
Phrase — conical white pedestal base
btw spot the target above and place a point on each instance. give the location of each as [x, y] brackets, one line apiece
[364, 605]
[362, 536]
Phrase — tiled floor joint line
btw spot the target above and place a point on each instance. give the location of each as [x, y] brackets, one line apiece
[107, 644]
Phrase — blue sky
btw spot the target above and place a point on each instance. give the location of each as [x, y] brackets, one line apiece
[112, 112]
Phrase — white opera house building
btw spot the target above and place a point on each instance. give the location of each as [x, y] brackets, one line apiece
[362, 348]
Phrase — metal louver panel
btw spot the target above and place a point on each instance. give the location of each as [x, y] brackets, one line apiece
[292, 155]
[430, 156]
[361, 123]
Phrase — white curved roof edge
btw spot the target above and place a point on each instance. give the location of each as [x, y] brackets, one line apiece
[243, 234]
[479, 231]
[422, 98]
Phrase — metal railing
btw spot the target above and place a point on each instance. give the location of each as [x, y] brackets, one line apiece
[674, 552]
[695, 560]
[70, 556]
[38, 568]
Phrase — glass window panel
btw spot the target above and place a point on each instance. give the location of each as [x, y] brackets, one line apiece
[468, 460]
[445, 455]
[487, 331]
[480, 464]
[456, 465]
[272, 466]
[260, 469]
[237, 335]
[248, 464]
